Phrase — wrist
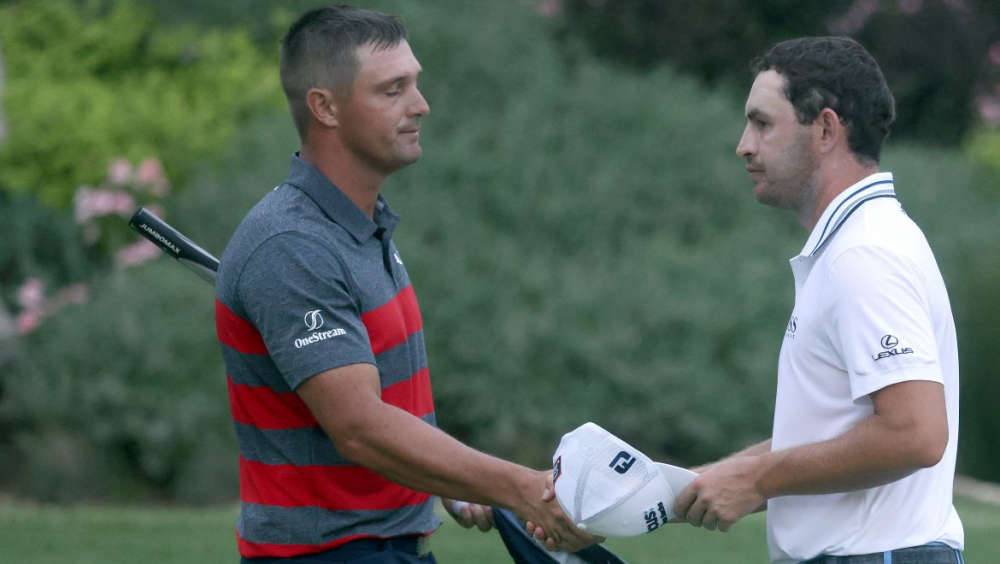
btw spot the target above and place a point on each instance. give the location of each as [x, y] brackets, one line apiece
[765, 474]
[525, 493]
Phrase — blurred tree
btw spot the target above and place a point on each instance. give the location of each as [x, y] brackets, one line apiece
[93, 81]
[584, 245]
[712, 39]
[3, 117]
[933, 52]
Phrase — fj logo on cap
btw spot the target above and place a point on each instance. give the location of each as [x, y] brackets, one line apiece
[556, 470]
[622, 462]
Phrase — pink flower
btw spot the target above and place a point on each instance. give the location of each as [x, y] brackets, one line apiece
[27, 321]
[73, 294]
[989, 109]
[995, 53]
[123, 204]
[153, 178]
[31, 294]
[150, 170]
[120, 172]
[910, 7]
[82, 209]
[549, 8]
[856, 17]
[90, 203]
[136, 253]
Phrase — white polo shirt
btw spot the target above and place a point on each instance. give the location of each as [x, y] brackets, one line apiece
[871, 310]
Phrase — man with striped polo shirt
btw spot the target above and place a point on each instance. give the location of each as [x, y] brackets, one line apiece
[322, 335]
[861, 462]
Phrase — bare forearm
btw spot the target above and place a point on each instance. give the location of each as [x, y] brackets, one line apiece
[347, 403]
[763, 447]
[410, 452]
[753, 450]
[869, 454]
[908, 430]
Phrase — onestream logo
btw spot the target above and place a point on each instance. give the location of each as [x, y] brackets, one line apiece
[314, 320]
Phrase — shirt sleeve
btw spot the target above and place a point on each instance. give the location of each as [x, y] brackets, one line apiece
[880, 319]
[299, 295]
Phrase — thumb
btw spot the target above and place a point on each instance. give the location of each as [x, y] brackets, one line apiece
[549, 492]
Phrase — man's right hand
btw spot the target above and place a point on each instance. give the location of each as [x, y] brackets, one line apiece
[547, 521]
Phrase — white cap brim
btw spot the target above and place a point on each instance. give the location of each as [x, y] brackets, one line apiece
[678, 478]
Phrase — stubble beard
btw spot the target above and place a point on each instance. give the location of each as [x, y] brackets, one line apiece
[795, 189]
[387, 162]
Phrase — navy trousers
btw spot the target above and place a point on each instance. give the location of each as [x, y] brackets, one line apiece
[402, 550]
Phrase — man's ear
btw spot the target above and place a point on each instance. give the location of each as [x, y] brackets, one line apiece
[832, 130]
[323, 106]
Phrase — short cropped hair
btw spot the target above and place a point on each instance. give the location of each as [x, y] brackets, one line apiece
[320, 51]
[836, 73]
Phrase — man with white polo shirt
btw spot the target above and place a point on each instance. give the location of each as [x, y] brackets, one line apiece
[861, 461]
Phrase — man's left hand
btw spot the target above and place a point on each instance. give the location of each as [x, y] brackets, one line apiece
[470, 515]
[722, 495]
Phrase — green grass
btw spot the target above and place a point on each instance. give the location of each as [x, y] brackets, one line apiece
[32, 534]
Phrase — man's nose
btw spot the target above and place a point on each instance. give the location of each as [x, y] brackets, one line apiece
[420, 106]
[746, 147]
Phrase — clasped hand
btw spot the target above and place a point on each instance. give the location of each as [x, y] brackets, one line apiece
[721, 495]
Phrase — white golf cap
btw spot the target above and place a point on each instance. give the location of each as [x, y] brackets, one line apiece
[609, 488]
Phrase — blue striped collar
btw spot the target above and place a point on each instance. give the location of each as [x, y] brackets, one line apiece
[878, 185]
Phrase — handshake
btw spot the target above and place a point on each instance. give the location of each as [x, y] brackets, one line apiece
[607, 488]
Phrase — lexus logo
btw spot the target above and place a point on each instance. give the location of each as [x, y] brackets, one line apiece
[889, 342]
[314, 320]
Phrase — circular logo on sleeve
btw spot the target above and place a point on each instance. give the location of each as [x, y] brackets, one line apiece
[314, 320]
[889, 342]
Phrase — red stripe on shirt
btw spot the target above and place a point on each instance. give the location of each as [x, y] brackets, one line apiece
[265, 408]
[336, 488]
[394, 321]
[413, 395]
[236, 332]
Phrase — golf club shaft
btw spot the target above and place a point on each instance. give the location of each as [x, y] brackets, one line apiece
[172, 242]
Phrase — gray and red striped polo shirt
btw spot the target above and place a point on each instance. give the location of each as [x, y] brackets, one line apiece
[309, 283]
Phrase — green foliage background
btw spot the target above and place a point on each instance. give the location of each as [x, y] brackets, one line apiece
[585, 247]
[91, 81]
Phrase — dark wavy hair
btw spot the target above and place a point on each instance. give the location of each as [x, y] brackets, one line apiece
[320, 51]
[836, 73]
